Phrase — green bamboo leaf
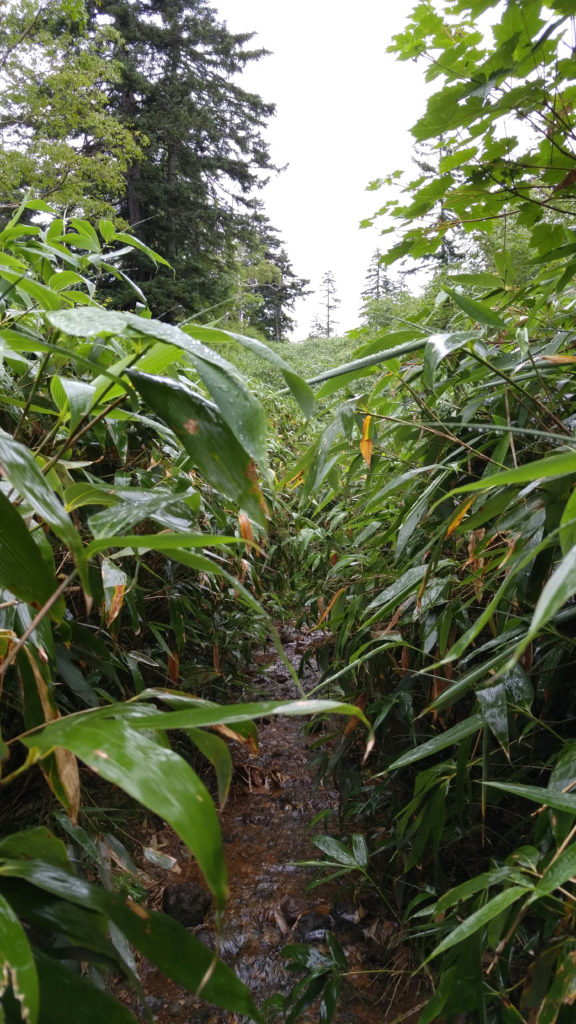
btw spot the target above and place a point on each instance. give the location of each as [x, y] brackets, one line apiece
[17, 964]
[23, 571]
[168, 542]
[539, 795]
[562, 991]
[107, 230]
[85, 493]
[33, 843]
[473, 885]
[335, 849]
[67, 996]
[444, 739]
[64, 278]
[21, 470]
[560, 588]
[217, 752]
[477, 310]
[568, 525]
[123, 236]
[360, 850]
[301, 391]
[379, 357]
[438, 346]
[239, 407]
[481, 917]
[154, 775]
[541, 469]
[404, 585]
[494, 707]
[558, 872]
[194, 717]
[75, 395]
[211, 444]
[160, 938]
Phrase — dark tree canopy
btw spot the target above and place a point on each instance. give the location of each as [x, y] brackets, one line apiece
[191, 197]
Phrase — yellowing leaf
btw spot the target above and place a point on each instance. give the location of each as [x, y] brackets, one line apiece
[116, 604]
[366, 442]
[329, 607]
[459, 517]
[173, 667]
[246, 531]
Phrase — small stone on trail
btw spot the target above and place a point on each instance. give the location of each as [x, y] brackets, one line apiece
[187, 902]
[312, 927]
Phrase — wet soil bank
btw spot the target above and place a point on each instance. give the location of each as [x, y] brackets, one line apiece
[265, 827]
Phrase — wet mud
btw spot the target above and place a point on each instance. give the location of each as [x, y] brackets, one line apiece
[266, 832]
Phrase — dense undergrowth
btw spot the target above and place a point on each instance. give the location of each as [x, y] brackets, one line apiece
[160, 516]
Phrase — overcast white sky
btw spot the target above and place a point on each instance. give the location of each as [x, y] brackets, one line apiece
[344, 110]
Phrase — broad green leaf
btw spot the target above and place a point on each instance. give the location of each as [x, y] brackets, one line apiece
[560, 588]
[562, 991]
[160, 542]
[360, 850]
[299, 388]
[17, 966]
[107, 230]
[538, 794]
[67, 996]
[212, 446]
[481, 917]
[494, 707]
[405, 584]
[195, 717]
[23, 571]
[85, 493]
[160, 938]
[239, 408]
[154, 775]
[541, 469]
[477, 310]
[218, 753]
[84, 227]
[63, 279]
[440, 742]
[35, 843]
[22, 471]
[473, 885]
[123, 236]
[77, 395]
[438, 346]
[558, 872]
[380, 357]
[336, 850]
[568, 525]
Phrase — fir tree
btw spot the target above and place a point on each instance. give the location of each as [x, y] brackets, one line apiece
[378, 283]
[329, 304]
[191, 196]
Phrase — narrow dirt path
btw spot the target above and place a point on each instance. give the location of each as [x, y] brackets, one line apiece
[265, 827]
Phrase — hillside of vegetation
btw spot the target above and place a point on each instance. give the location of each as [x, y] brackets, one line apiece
[174, 492]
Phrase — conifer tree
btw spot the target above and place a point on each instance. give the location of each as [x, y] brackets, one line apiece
[329, 304]
[191, 196]
[377, 283]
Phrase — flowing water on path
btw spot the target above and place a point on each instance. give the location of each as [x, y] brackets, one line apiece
[265, 827]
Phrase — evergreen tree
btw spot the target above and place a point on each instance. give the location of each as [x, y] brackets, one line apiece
[378, 283]
[267, 287]
[191, 195]
[329, 304]
[317, 328]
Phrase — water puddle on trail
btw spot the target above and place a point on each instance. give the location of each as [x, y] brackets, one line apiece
[265, 827]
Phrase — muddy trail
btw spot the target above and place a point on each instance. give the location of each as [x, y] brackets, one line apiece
[266, 831]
